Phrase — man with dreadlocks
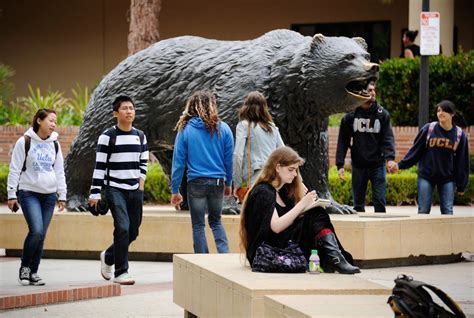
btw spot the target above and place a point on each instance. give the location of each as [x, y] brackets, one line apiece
[204, 144]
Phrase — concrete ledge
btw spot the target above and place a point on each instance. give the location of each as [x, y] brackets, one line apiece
[370, 238]
[219, 285]
[326, 306]
[67, 294]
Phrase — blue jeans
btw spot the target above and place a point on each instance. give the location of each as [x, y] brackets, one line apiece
[425, 192]
[127, 211]
[205, 195]
[38, 210]
[360, 179]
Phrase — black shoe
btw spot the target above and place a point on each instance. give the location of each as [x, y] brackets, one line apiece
[24, 276]
[35, 280]
[338, 263]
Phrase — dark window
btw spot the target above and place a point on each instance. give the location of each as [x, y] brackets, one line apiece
[376, 34]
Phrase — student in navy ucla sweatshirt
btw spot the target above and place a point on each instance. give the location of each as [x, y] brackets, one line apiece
[441, 150]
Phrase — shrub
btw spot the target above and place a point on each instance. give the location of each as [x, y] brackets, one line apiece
[401, 189]
[70, 111]
[157, 185]
[3, 182]
[450, 78]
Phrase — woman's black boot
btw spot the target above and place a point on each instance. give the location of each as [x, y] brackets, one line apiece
[329, 245]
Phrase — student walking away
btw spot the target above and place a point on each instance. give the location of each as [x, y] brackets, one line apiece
[368, 132]
[204, 144]
[410, 49]
[255, 139]
[274, 212]
[37, 173]
[441, 150]
[120, 172]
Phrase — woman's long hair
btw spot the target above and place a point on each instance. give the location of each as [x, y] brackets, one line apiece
[284, 156]
[255, 110]
[200, 104]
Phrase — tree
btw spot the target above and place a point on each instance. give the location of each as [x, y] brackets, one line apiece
[143, 29]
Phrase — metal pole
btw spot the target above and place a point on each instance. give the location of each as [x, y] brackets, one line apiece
[424, 97]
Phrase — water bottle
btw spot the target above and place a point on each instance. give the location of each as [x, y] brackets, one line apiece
[314, 262]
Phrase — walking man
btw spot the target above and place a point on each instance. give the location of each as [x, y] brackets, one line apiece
[372, 145]
[120, 171]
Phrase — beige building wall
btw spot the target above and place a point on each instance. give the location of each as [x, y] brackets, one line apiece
[58, 43]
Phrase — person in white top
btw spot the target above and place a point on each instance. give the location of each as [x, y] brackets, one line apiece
[264, 138]
[37, 173]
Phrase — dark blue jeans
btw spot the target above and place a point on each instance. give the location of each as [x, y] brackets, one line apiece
[425, 193]
[127, 211]
[205, 195]
[38, 210]
[360, 179]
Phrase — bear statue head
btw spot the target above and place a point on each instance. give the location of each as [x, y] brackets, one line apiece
[338, 70]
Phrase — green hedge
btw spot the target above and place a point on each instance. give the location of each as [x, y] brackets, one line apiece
[156, 185]
[450, 78]
[401, 189]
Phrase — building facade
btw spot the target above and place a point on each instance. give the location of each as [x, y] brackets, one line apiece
[56, 44]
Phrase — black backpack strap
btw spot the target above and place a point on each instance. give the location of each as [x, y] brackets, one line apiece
[27, 148]
[56, 149]
[446, 299]
[112, 139]
[141, 135]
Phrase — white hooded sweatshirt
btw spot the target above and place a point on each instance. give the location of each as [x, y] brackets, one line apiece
[44, 168]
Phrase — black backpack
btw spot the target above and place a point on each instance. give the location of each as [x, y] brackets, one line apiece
[411, 299]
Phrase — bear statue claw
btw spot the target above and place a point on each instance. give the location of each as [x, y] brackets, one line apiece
[337, 208]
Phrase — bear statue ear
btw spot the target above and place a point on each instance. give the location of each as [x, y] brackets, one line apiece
[318, 39]
[361, 42]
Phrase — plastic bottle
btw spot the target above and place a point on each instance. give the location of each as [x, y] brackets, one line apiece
[314, 262]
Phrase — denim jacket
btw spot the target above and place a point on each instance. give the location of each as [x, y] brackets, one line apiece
[262, 144]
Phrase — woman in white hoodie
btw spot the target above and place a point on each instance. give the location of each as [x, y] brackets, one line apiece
[37, 176]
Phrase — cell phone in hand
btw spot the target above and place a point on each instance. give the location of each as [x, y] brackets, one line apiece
[15, 207]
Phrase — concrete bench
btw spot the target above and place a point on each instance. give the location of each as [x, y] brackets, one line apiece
[219, 285]
[371, 239]
[327, 306]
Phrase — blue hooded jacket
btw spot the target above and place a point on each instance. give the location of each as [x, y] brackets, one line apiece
[205, 155]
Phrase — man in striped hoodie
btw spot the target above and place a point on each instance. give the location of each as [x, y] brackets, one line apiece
[121, 165]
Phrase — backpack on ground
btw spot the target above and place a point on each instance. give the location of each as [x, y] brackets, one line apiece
[411, 299]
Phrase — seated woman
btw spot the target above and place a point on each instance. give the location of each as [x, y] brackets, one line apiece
[273, 213]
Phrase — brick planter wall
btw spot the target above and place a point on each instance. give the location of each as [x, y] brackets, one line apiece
[404, 137]
[10, 134]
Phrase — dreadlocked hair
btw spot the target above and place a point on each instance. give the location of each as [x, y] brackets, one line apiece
[200, 104]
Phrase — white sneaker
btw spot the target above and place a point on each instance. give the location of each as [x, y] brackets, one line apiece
[36, 280]
[24, 276]
[124, 279]
[106, 270]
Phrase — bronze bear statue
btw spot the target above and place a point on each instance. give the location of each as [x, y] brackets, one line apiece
[305, 79]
